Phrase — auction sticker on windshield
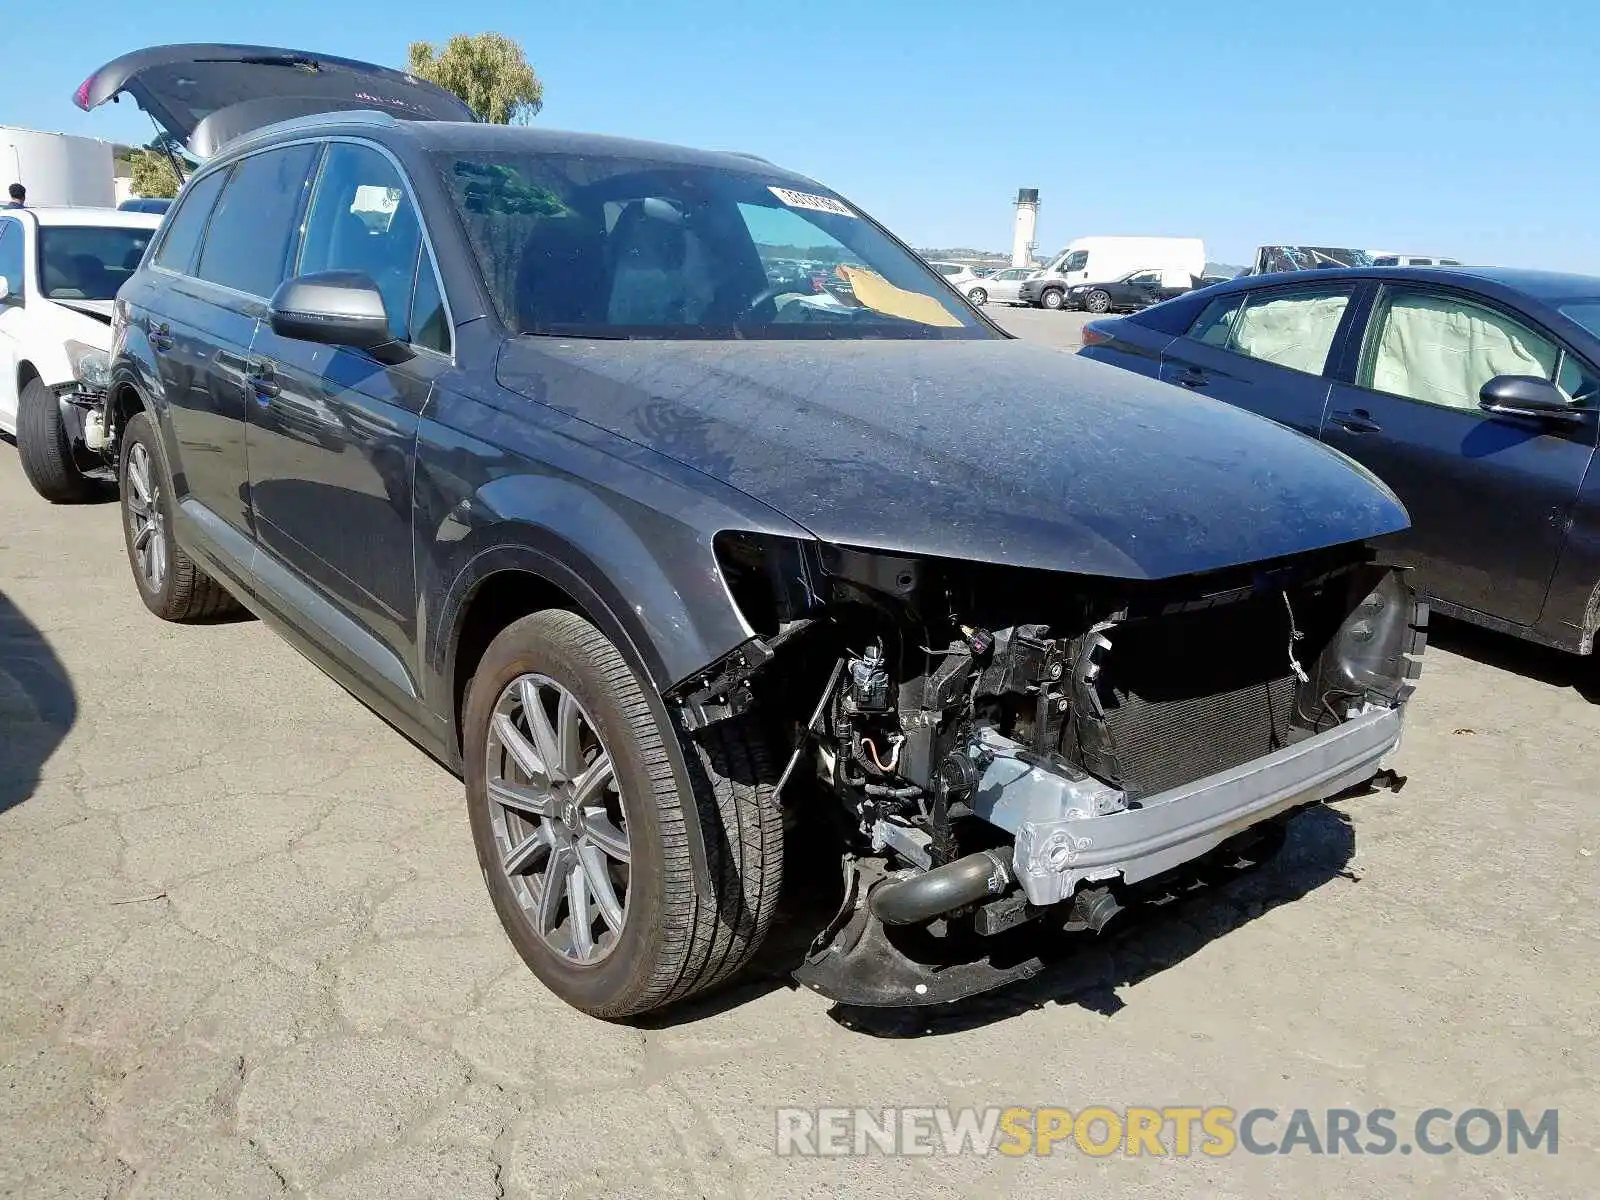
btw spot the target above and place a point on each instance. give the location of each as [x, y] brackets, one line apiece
[806, 200]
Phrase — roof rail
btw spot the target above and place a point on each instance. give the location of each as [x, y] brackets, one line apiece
[348, 116]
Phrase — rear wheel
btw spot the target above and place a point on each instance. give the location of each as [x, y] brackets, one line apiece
[1051, 298]
[978, 296]
[1097, 302]
[169, 582]
[581, 826]
[48, 457]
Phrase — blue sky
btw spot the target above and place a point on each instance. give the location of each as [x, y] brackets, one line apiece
[1461, 128]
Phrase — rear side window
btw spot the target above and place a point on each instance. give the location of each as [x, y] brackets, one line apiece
[188, 223]
[1291, 328]
[247, 246]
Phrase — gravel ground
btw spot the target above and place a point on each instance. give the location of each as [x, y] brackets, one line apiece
[245, 951]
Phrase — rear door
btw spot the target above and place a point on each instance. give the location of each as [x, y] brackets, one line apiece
[1266, 350]
[333, 430]
[201, 325]
[1490, 496]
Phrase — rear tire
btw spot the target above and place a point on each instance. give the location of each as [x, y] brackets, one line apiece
[1097, 302]
[48, 459]
[169, 582]
[660, 941]
[978, 296]
[1051, 298]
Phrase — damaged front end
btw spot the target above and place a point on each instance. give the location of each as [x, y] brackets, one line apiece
[82, 401]
[1001, 747]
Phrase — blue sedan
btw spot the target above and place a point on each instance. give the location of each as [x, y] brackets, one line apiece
[1474, 393]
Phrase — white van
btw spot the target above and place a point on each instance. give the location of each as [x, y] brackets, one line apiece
[1181, 261]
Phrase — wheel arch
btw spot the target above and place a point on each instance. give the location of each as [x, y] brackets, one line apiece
[509, 581]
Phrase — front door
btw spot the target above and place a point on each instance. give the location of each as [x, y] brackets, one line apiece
[333, 430]
[1490, 497]
[1265, 350]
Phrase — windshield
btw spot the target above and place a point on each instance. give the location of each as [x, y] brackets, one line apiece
[616, 247]
[1584, 312]
[85, 262]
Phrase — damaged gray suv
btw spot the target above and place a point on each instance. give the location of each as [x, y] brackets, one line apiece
[677, 506]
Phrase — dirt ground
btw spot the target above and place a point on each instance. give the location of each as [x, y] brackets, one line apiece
[245, 951]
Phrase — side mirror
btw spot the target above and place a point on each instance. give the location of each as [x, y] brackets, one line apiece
[1526, 396]
[335, 308]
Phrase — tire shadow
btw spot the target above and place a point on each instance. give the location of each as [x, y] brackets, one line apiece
[1544, 664]
[38, 704]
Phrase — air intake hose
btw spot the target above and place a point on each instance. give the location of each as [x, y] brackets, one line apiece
[933, 893]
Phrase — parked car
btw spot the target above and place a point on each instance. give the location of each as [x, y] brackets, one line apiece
[1472, 392]
[1089, 260]
[60, 269]
[1001, 285]
[144, 204]
[1135, 290]
[661, 557]
[957, 275]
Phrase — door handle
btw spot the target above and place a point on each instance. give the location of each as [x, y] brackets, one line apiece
[160, 338]
[263, 377]
[1356, 421]
[1191, 377]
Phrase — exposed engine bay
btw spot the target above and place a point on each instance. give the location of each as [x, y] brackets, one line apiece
[1004, 746]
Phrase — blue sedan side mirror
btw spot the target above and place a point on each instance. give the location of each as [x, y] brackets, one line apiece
[1526, 396]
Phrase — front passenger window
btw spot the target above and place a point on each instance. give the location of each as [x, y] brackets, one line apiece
[362, 219]
[1441, 349]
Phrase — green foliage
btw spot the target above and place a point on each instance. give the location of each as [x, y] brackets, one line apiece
[153, 175]
[488, 71]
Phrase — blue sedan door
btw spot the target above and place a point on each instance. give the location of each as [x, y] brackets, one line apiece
[1490, 497]
[1265, 350]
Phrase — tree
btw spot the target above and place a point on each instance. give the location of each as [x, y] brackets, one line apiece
[153, 174]
[487, 70]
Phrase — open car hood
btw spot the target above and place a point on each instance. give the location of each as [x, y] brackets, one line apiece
[207, 94]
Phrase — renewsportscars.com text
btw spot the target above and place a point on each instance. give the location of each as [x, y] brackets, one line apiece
[1177, 1131]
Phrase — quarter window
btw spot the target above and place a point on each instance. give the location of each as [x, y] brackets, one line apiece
[1441, 349]
[1214, 326]
[362, 219]
[188, 223]
[247, 245]
[430, 328]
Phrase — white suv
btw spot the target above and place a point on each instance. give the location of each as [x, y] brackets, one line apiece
[60, 269]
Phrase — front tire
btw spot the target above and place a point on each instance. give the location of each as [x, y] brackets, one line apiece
[1052, 298]
[169, 582]
[588, 861]
[978, 296]
[1097, 302]
[46, 451]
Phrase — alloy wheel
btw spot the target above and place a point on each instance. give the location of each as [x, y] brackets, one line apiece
[144, 510]
[559, 822]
